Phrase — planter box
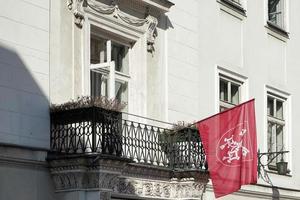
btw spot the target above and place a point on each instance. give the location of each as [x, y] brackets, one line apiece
[86, 130]
[183, 148]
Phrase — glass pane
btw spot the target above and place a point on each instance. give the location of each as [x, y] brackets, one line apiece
[271, 143]
[235, 95]
[279, 109]
[275, 8]
[119, 54]
[279, 138]
[223, 90]
[271, 138]
[98, 84]
[270, 106]
[98, 50]
[121, 91]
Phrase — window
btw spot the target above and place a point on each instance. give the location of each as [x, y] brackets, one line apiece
[229, 92]
[276, 13]
[109, 68]
[238, 6]
[276, 125]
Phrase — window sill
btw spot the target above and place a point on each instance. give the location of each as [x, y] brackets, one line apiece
[277, 31]
[275, 172]
[236, 7]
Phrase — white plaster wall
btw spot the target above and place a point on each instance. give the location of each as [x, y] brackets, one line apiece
[204, 37]
[24, 72]
[183, 59]
[61, 52]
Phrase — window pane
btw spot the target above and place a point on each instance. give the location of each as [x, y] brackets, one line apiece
[272, 143]
[271, 138]
[223, 90]
[98, 84]
[235, 94]
[270, 106]
[279, 109]
[275, 9]
[279, 138]
[98, 50]
[121, 91]
[119, 54]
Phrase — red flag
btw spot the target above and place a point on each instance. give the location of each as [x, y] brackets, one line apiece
[229, 140]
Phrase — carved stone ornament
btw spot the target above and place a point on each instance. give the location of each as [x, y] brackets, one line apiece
[75, 174]
[160, 189]
[77, 7]
[150, 22]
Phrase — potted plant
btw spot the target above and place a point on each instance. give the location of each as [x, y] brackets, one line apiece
[87, 124]
[182, 146]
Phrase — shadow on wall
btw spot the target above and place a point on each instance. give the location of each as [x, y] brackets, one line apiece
[24, 102]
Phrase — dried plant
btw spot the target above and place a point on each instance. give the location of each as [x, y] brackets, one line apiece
[178, 126]
[87, 101]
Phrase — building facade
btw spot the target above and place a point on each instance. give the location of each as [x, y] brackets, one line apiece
[170, 61]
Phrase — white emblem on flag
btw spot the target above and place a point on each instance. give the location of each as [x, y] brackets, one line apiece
[234, 147]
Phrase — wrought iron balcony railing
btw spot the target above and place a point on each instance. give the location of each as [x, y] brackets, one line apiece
[94, 130]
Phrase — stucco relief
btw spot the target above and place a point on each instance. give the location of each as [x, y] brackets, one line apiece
[128, 186]
[149, 22]
[78, 12]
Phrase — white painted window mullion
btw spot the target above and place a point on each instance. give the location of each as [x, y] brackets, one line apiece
[111, 78]
[229, 92]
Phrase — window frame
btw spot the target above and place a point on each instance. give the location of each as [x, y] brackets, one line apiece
[285, 98]
[282, 11]
[108, 68]
[230, 81]
[281, 32]
[236, 78]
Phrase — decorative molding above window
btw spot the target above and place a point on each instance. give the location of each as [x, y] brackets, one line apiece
[148, 23]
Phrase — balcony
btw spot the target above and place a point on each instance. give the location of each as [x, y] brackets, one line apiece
[96, 138]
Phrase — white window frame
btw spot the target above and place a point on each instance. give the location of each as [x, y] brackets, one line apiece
[234, 77]
[286, 99]
[285, 17]
[117, 31]
[230, 81]
[126, 32]
[108, 68]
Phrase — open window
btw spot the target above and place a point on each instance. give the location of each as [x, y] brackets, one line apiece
[109, 67]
